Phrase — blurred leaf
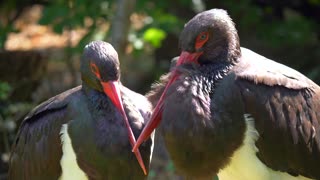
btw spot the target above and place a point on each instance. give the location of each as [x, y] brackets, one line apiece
[4, 31]
[154, 36]
[185, 2]
[152, 173]
[314, 2]
[58, 28]
[85, 40]
[216, 177]
[295, 30]
[314, 73]
[52, 13]
[4, 90]
[170, 167]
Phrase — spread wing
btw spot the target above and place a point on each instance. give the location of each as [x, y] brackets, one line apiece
[286, 108]
[37, 151]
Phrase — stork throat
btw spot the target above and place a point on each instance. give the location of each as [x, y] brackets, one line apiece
[208, 76]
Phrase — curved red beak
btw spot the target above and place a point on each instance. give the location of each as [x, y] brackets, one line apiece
[112, 90]
[185, 57]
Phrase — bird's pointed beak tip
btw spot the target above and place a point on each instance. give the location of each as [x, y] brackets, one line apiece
[140, 161]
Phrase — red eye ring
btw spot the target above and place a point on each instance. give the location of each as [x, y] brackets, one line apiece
[95, 70]
[202, 38]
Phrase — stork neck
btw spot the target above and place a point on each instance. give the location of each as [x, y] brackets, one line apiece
[97, 99]
[89, 82]
[211, 74]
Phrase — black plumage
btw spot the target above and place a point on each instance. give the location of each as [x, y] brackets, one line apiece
[222, 104]
[91, 117]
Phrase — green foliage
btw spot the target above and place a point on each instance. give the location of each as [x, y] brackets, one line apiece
[170, 167]
[152, 174]
[154, 36]
[4, 31]
[4, 90]
[314, 73]
[6, 21]
[314, 2]
[10, 112]
[73, 14]
[295, 30]
[53, 13]
[167, 22]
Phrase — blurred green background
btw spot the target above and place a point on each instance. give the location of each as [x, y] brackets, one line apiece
[41, 42]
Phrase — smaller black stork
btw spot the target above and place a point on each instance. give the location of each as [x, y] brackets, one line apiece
[83, 132]
[226, 110]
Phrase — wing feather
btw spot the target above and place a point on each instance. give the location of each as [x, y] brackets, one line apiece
[286, 107]
[37, 150]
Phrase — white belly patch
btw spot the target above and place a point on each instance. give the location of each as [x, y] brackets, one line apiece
[245, 165]
[68, 162]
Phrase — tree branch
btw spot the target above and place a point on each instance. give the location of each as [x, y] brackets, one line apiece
[121, 24]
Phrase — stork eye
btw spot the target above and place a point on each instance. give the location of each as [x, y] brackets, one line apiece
[95, 70]
[202, 38]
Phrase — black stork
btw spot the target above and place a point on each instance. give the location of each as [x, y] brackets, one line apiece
[226, 110]
[83, 132]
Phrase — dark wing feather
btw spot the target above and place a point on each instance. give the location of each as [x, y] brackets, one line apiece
[286, 108]
[37, 151]
[138, 110]
[140, 102]
[259, 69]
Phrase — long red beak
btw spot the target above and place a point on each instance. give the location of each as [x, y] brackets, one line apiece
[185, 57]
[111, 89]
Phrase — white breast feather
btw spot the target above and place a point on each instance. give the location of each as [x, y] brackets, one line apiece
[68, 162]
[245, 165]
